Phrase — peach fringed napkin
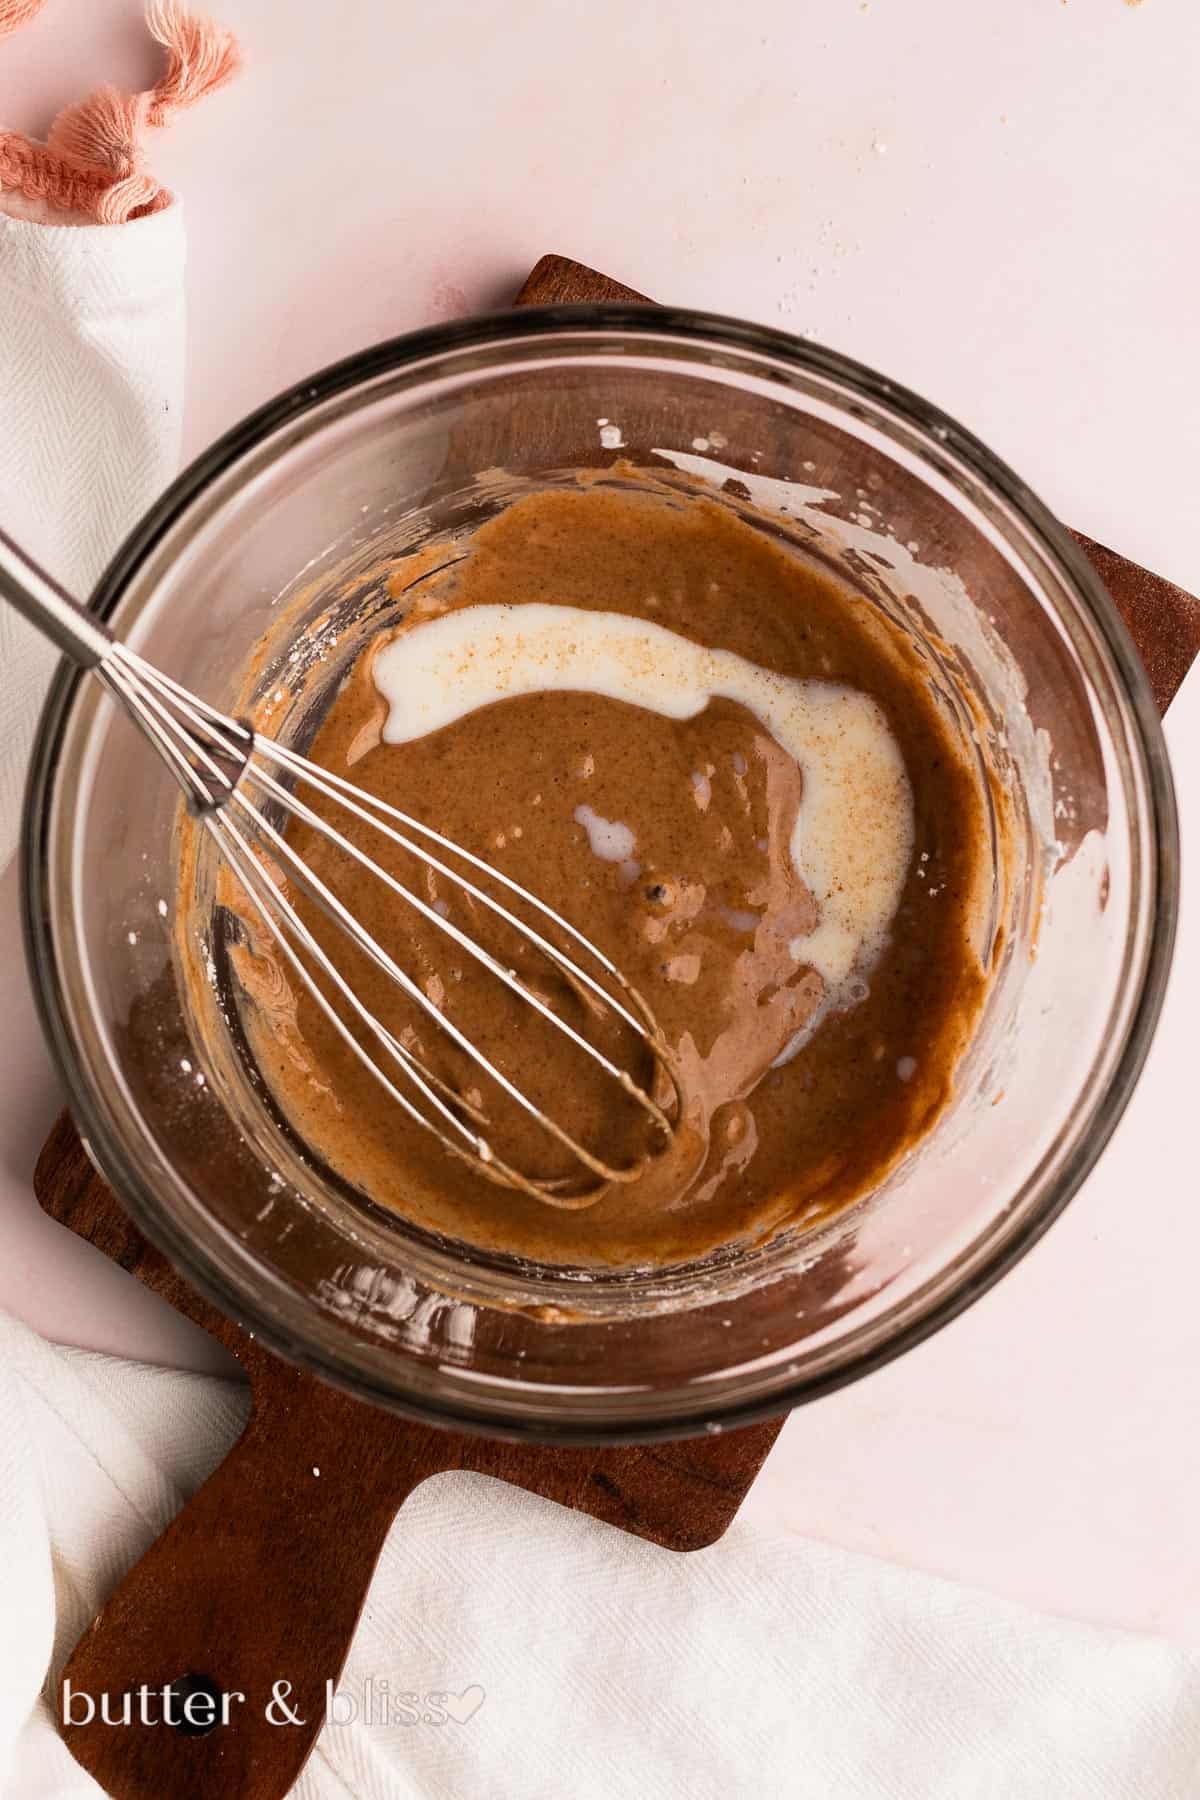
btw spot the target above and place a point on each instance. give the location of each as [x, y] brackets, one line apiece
[92, 163]
[91, 344]
[15, 12]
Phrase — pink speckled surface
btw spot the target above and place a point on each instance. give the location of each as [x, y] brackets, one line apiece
[994, 203]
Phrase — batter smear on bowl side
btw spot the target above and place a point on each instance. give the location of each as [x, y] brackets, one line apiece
[732, 775]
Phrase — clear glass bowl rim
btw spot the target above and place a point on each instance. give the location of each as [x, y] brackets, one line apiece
[664, 324]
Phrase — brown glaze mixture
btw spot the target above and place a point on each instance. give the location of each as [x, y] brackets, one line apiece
[700, 922]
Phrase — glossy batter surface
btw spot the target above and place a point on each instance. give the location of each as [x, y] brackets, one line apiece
[668, 841]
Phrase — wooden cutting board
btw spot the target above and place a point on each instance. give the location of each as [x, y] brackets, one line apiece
[263, 1574]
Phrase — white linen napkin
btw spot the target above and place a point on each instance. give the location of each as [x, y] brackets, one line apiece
[91, 393]
[597, 1664]
[583, 1661]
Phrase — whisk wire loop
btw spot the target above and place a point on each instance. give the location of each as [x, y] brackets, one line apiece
[219, 763]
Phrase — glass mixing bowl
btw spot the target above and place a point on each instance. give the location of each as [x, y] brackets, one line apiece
[284, 520]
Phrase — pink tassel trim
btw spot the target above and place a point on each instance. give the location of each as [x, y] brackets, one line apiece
[15, 12]
[92, 161]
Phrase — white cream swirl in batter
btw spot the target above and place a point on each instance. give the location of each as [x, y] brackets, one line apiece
[852, 843]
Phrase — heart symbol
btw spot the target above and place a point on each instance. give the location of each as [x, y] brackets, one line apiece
[464, 1706]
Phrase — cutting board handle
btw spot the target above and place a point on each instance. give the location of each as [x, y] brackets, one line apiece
[214, 1653]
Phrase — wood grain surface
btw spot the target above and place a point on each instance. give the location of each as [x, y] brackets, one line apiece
[263, 1573]
[557, 281]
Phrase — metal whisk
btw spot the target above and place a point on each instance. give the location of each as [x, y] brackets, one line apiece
[225, 769]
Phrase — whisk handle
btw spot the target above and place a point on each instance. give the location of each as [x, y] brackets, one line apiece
[48, 607]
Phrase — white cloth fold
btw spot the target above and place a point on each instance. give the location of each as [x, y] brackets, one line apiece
[578, 1659]
[91, 391]
[584, 1661]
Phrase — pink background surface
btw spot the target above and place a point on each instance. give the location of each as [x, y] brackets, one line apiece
[994, 203]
